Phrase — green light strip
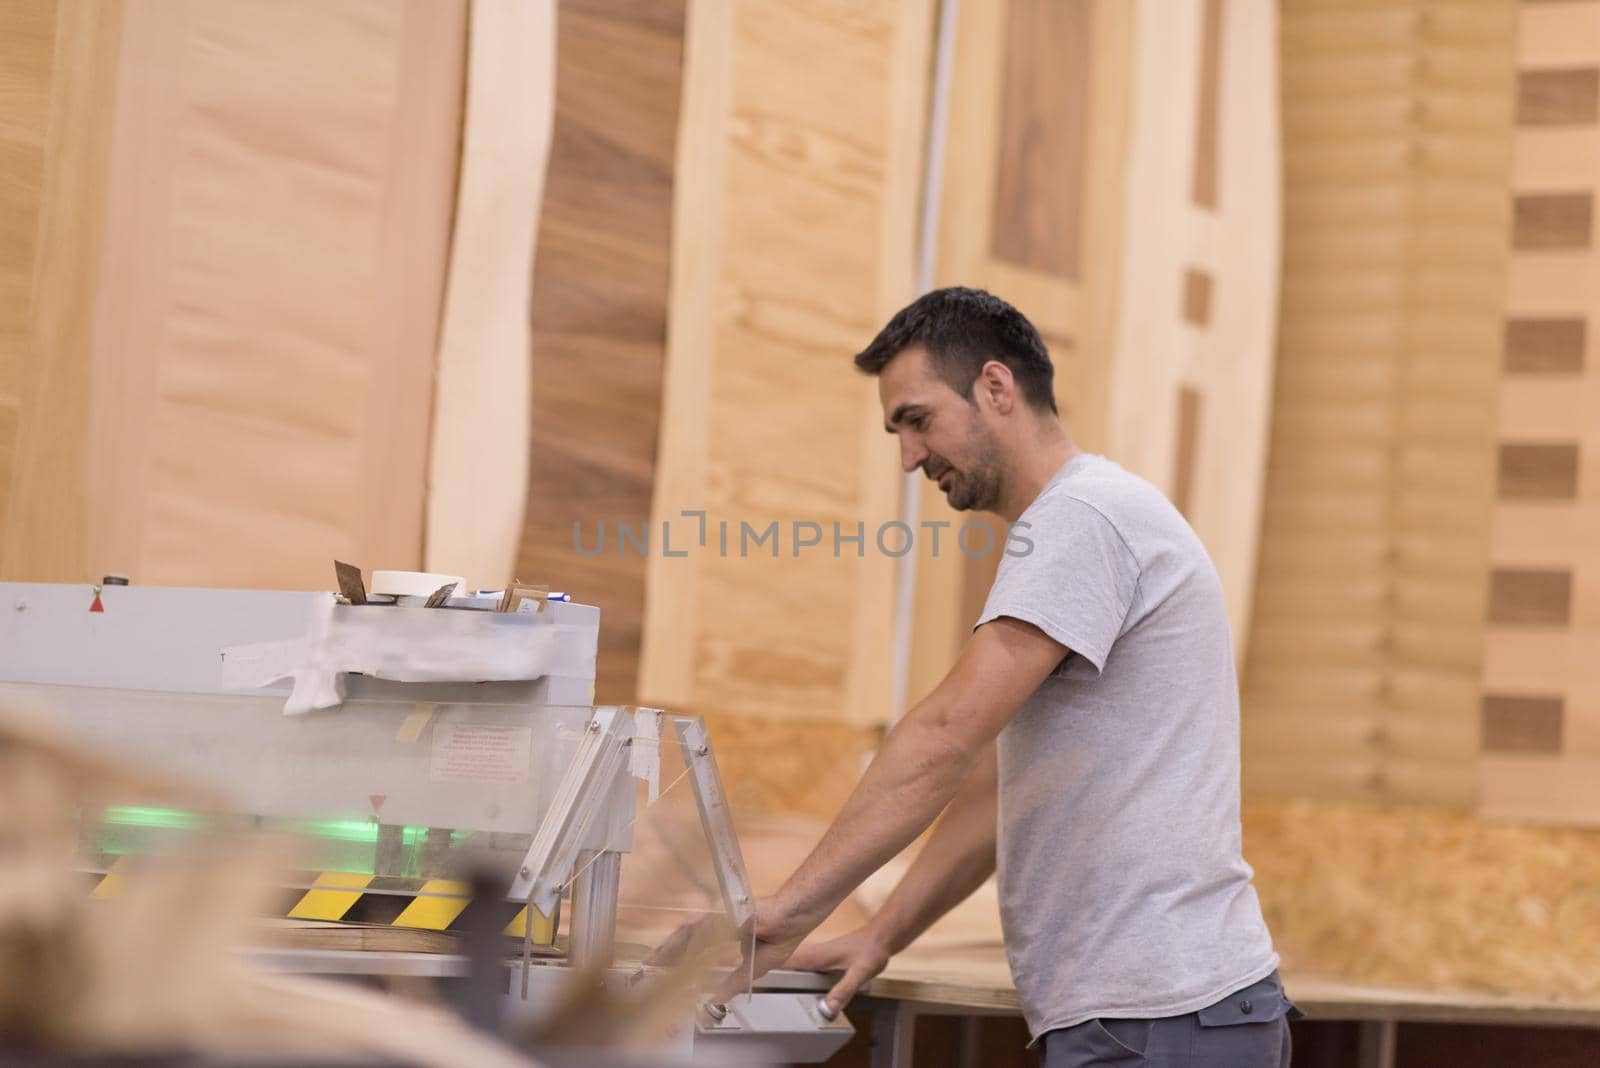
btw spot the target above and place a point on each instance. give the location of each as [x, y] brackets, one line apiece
[147, 816]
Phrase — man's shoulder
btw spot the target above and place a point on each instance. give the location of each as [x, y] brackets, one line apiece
[1103, 487]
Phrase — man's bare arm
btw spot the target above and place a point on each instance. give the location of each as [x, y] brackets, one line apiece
[957, 858]
[954, 862]
[922, 763]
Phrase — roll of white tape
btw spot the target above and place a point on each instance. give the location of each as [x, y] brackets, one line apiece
[413, 583]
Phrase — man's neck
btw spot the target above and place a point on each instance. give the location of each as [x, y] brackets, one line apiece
[1035, 466]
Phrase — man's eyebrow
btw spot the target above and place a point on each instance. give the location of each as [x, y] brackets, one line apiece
[898, 414]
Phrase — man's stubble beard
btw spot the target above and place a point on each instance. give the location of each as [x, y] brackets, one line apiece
[980, 489]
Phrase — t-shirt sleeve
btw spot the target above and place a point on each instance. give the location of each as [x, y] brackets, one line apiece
[1069, 573]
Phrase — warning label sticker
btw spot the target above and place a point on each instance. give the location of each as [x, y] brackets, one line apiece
[480, 752]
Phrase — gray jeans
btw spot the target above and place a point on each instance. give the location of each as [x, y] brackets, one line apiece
[1247, 1029]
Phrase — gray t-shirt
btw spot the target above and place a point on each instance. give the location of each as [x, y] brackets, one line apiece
[1123, 891]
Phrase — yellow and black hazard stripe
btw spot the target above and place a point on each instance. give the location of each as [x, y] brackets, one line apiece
[429, 905]
[352, 897]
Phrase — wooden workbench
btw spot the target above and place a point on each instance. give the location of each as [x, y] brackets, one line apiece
[978, 979]
[975, 981]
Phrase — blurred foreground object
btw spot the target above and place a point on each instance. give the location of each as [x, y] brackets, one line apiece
[395, 747]
[155, 969]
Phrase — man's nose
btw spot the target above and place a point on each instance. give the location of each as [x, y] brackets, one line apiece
[911, 454]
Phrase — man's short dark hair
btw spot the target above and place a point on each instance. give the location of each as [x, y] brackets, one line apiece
[962, 329]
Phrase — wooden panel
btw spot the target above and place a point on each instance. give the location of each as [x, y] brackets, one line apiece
[46, 511]
[1196, 297]
[1563, 33]
[1522, 724]
[1203, 190]
[27, 44]
[275, 252]
[1552, 220]
[802, 131]
[1077, 319]
[600, 313]
[1558, 97]
[1044, 121]
[1538, 789]
[1363, 676]
[1530, 597]
[1551, 284]
[1234, 243]
[481, 401]
[1545, 472]
[1555, 157]
[1540, 346]
[1545, 587]
[1545, 406]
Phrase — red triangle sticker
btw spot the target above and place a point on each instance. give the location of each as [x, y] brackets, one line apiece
[97, 606]
[377, 802]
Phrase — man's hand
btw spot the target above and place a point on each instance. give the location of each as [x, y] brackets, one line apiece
[776, 935]
[764, 944]
[855, 957]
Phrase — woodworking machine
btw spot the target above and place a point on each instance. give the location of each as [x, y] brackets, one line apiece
[398, 741]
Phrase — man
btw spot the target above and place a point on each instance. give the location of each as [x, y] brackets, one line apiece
[1102, 668]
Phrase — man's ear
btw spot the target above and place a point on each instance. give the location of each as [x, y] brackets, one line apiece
[997, 382]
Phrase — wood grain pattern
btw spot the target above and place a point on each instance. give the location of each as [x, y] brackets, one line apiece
[1156, 350]
[274, 260]
[27, 47]
[1551, 221]
[1362, 680]
[1539, 472]
[1558, 97]
[46, 511]
[1545, 346]
[1517, 724]
[1557, 35]
[1208, 106]
[1534, 788]
[802, 131]
[1045, 106]
[1530, 597]
[599, 312]
[1545, 589]
[481, 384]
[1077, 319]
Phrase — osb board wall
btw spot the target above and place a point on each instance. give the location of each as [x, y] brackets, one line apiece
[46, 509]
[1541, 677]
[795, 198]
[27, 47]
[599, 313]
[1362, 674]
[1031, 206]
[280, 202]
[1427, 897]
